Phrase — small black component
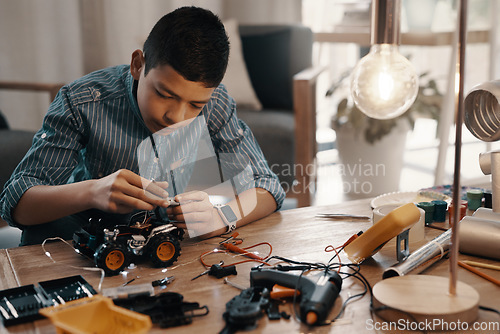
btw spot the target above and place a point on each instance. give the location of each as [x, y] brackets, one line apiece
[166, 309]
[281, 267]
[273, 311]
[163, 281]
[243, 311]
[219, 271]
[285, 315]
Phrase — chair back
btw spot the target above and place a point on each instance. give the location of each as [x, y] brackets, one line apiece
[273, 55]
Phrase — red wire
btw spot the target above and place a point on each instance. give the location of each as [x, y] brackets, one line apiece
[239, 262]
[330, 248]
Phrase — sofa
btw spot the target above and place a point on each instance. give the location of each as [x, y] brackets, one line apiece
[279, 63]
[13, 146]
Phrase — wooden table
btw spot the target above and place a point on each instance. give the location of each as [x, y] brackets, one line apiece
[294, 234]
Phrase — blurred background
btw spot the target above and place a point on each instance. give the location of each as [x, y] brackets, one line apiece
[61, 40]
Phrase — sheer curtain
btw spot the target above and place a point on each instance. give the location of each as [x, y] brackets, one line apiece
[40, 41]
[61, 40]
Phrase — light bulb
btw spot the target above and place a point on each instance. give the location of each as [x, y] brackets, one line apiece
[384, 84]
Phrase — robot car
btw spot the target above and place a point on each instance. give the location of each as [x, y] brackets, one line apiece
[146, 234]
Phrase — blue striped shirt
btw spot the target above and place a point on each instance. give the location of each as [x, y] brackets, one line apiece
[94, 127]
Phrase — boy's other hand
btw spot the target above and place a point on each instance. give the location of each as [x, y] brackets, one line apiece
[197, 213]
[124, 191]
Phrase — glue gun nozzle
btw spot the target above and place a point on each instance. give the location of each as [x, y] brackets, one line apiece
[311, 318]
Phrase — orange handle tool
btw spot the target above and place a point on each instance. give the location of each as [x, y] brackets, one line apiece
[236, 249]
[280, 291]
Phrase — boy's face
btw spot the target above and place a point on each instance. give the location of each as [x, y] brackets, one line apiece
[164, 97]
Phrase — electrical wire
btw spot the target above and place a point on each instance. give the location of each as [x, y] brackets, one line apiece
[47, 253]
[223, 251]
[356, 274]
[330, 266]
[489, 309]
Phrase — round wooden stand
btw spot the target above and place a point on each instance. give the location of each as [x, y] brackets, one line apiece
[426, 299]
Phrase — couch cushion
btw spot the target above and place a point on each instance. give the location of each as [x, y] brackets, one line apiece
[13, 146]
[274, 132]
[273, 54]
[3, 121]
[237, 80]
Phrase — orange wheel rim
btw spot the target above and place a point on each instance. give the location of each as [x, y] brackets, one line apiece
[115, 259]
[165, 251]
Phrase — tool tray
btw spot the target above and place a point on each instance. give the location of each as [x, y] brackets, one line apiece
[22, 304]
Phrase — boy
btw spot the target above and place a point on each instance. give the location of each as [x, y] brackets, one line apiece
[83, 160]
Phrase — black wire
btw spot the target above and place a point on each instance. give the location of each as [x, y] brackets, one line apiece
[356, 268]
[357, 275]
[489, 309]
[326, 267]
[336, 254]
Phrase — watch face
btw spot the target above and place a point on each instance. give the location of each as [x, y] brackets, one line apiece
[228, 213]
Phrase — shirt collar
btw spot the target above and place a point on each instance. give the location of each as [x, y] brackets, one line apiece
[131, 85]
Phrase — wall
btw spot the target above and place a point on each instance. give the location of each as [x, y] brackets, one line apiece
[61, 40]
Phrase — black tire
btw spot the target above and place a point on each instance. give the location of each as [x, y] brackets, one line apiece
[111, 257]
[164, 250]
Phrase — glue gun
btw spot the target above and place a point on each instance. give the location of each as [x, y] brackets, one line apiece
[317, 293]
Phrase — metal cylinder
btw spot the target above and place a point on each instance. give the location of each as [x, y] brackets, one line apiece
[482, 111]
[485, 162]
[385, 21]
[495, 181]
[480, 237]
[422, 258]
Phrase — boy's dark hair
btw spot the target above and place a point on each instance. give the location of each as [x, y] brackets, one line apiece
[193, 41]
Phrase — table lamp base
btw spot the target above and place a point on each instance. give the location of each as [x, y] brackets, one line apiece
[426, 299]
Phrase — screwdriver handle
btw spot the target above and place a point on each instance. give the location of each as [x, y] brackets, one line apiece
[218, 271]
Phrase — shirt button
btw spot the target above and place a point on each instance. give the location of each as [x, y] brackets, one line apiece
[100, 174]
[240, 131]
[44, 135]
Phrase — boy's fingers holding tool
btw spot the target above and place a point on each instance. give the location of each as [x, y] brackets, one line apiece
[153, 189]
[194, 207]
[122, 191]
[144, 190]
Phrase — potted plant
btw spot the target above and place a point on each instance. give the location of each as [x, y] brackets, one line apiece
[371, 150]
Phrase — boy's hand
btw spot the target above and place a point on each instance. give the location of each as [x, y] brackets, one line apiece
[124, 191]
[197, 213]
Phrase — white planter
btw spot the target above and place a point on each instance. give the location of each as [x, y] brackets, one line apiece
[369, 170]
[419, 14]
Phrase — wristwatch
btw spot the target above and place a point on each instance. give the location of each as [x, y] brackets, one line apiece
[228, 217]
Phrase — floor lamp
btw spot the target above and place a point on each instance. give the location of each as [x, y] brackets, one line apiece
[425, 298]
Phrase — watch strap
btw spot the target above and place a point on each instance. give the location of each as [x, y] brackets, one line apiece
[230, 222]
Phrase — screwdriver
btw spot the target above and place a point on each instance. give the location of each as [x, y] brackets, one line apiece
[206, 271]
[218, 271]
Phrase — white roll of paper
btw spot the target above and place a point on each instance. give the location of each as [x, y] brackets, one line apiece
[417, 232]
